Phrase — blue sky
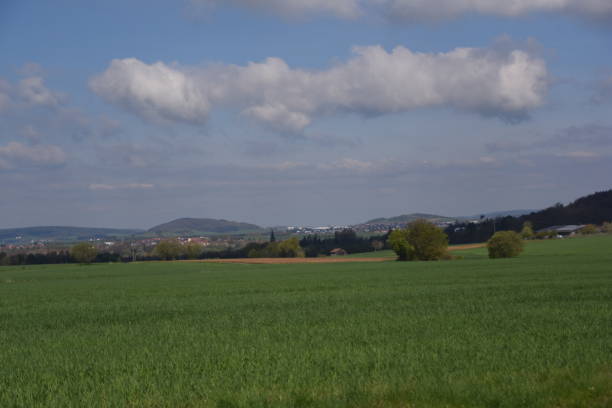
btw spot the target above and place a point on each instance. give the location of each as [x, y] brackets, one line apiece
[285, 112]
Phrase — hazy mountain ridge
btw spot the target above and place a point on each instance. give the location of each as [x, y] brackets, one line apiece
[59, 233]
[203, 226]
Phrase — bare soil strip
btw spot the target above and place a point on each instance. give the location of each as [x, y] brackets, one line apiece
[328, 259]
[466, 246]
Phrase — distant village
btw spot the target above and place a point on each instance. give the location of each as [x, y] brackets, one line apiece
[129, 245]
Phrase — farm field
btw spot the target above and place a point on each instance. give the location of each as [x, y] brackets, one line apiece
[534, 331]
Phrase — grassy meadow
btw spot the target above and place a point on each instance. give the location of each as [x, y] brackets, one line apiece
[534, 331]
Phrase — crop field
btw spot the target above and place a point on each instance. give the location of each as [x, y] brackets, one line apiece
[534, 331]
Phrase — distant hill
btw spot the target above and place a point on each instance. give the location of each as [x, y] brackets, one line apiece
[62, 234]
[592, 209]
[203, 226]
[407, 218]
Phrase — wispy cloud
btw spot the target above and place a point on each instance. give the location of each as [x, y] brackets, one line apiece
[18, 154]
[128, 186]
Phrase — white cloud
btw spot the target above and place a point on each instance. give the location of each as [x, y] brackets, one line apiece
[29, 92]
[488, 81]
[129, 186]
[43, 155]
[293, 8]
[34, 92]
[155, 91]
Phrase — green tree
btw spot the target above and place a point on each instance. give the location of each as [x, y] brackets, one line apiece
[505, 244]
[168, 249]
[193, 250]
[377, 245]
[428, 242]
[607, 227]
[527, 231]
[290, 248]
[398, 240]
[84, 252]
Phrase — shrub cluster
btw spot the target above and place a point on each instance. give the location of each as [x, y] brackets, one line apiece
[505, 244]
[84, 252]
[289, 248]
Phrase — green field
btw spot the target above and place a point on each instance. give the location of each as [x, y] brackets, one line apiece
[532, 331]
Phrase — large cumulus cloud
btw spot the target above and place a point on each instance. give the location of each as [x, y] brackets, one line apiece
[507, 83]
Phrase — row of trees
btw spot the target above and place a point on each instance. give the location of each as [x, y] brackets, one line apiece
[424, 241]
[57, 257]
[290, 248]
[347, 239]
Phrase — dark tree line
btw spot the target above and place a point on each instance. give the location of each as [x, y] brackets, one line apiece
[347, 239]
[592, 209]
[230, 253]
[54, 257]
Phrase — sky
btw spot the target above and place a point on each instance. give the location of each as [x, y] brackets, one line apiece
[299, 112]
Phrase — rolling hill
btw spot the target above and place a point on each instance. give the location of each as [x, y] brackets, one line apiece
[203, 226]
[407, 218]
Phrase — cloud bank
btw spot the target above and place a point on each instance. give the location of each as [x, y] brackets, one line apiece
[17, 154]
[505, 83]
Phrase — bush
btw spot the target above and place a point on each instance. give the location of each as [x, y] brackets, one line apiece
[168, 249]
[84, 252]
[589, 229]
[398, 240]
[527, 231]
[607, 227]
[505, 244]
[193, 250]
[289, 248]
[421, 241]
[429, 242]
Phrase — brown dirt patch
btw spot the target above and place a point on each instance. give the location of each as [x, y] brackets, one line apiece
[466, 246]
[269, 261]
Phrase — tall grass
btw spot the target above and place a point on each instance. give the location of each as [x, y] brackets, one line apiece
[530, 331]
